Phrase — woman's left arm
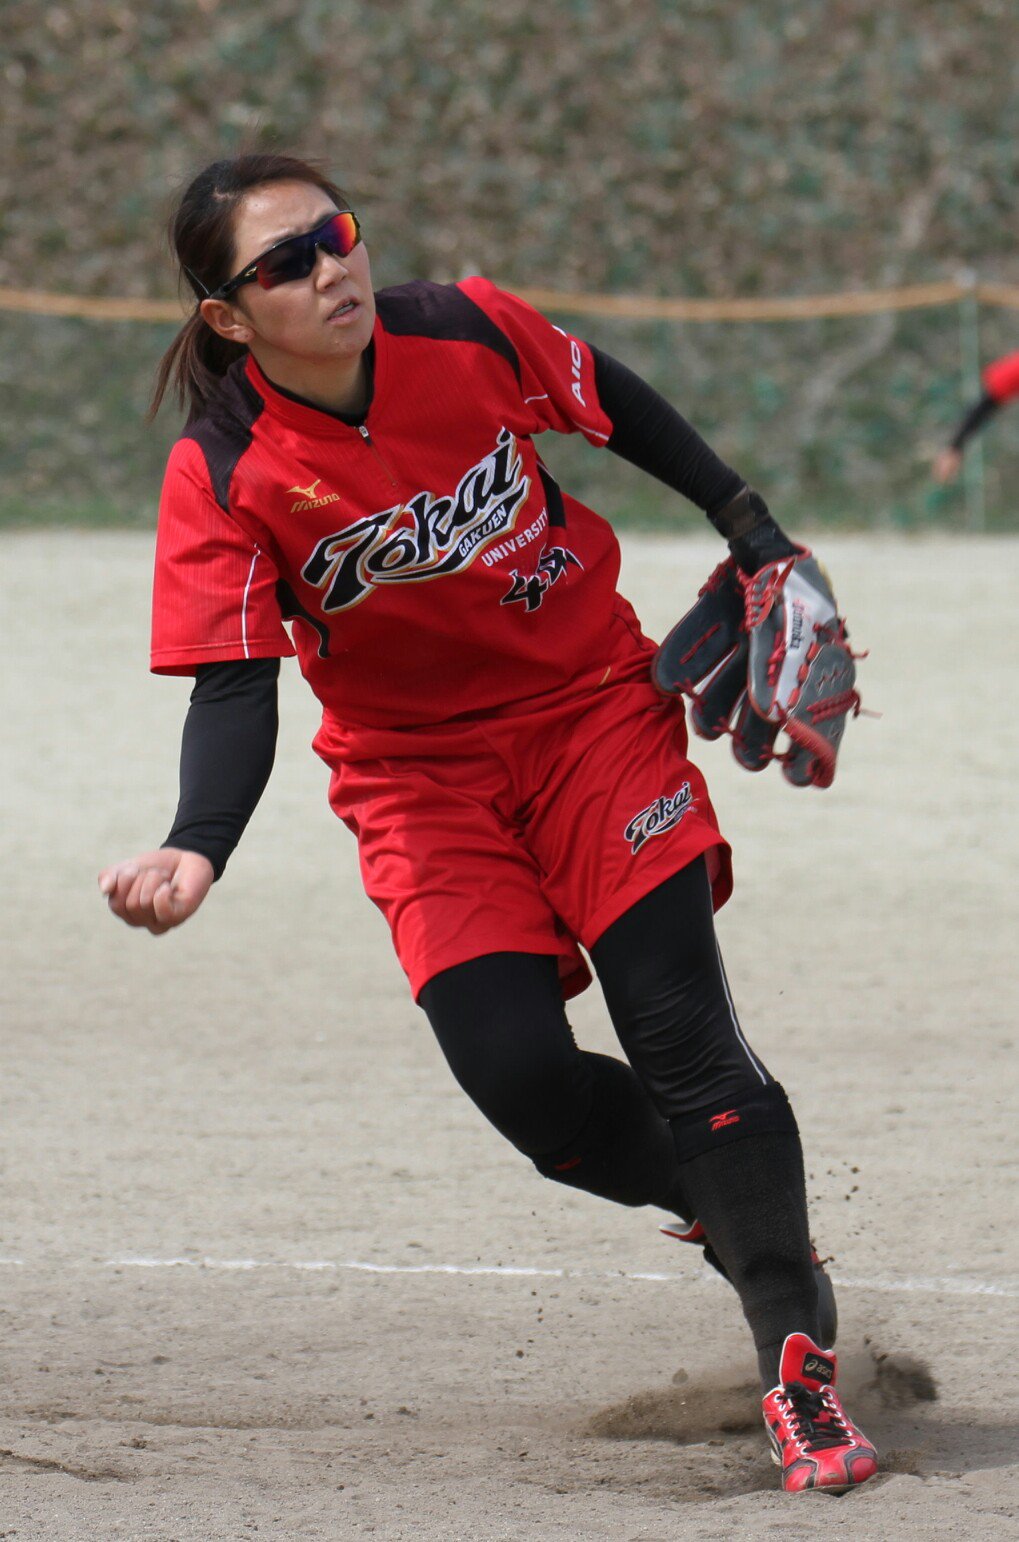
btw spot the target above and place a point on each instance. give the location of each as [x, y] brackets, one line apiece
[649, 432]
[569, 386]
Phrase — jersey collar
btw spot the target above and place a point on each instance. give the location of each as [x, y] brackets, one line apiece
[318, 421]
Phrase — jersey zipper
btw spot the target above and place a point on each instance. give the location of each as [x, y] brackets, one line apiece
[362, 429]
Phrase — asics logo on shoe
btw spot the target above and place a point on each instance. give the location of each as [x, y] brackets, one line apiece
[720, 1121]
[819, 1368]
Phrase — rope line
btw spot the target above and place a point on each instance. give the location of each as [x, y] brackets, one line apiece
[39, 302]
[779, 308]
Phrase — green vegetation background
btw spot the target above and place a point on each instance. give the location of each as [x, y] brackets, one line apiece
[662, 148]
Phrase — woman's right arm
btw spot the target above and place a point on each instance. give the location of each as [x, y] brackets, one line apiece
[948, 461]
[227, 752]
[1001, 384]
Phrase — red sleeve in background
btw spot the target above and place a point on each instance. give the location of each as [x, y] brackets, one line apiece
[556, 370]
[214, 590]
[1001, 379]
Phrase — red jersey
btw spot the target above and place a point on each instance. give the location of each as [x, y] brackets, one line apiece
[1001, 379]
[428, 562]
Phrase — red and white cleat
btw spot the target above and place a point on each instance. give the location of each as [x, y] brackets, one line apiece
[684, 1231]
[812, 1439]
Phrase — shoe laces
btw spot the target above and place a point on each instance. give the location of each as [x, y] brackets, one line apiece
[817, 1421]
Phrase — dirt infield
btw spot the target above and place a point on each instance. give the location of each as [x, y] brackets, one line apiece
[266, 1271]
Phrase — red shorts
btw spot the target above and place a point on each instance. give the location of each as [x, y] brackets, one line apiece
[531, 830]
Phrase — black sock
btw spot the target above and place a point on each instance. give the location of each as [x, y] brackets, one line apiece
[749, 1194]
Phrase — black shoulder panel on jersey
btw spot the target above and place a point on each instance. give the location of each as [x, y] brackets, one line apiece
[291, 609]
[223, 431]
[553, 496]
[442, 311]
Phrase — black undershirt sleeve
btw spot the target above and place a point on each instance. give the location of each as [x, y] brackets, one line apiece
[649, 433]
[227, 751]
[975, 419]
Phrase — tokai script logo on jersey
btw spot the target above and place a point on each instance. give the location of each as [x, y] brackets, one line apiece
[661, 815]
[446, 535]
[309, 498]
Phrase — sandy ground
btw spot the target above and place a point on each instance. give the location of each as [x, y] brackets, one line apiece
[208, 1139]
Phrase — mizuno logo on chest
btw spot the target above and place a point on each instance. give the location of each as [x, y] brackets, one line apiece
[425, 537]
[309, 498]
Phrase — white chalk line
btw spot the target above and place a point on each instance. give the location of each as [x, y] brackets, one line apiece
[930, 1285]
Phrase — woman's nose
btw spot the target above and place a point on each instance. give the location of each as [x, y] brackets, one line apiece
[329, 267]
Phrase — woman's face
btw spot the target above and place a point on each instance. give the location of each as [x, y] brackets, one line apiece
[329, 315]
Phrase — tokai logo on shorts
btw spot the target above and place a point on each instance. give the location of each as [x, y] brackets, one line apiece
[446, 535]
[661, 815]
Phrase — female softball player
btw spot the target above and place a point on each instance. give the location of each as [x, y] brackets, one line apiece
[1001, 383]
[363, 465]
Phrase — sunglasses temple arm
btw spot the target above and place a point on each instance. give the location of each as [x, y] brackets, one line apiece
[197, 282]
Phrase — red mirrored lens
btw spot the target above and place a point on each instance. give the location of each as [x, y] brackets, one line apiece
[345, 233]
[294, 259]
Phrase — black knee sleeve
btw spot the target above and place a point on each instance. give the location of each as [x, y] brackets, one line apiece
[624, 1149]
[759, 1110]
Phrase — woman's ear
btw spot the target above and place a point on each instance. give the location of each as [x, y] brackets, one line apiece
[227, 320]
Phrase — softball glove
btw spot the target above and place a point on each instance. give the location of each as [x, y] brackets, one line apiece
[761, 654]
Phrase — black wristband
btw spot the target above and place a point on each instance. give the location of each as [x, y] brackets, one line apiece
[753, 536]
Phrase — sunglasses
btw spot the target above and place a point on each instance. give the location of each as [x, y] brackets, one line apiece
[296, 256]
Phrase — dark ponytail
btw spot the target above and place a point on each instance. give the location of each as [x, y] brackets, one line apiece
[202, 240]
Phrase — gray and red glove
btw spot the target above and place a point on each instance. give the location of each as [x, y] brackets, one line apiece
[763, 653]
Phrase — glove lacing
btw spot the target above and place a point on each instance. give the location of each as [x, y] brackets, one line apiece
[758, 599]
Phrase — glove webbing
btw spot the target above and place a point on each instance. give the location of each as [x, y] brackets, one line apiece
[758, 600]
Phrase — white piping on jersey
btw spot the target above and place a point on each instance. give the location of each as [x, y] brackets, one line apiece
[735, 1020]
[244, 604]
[593, 431]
